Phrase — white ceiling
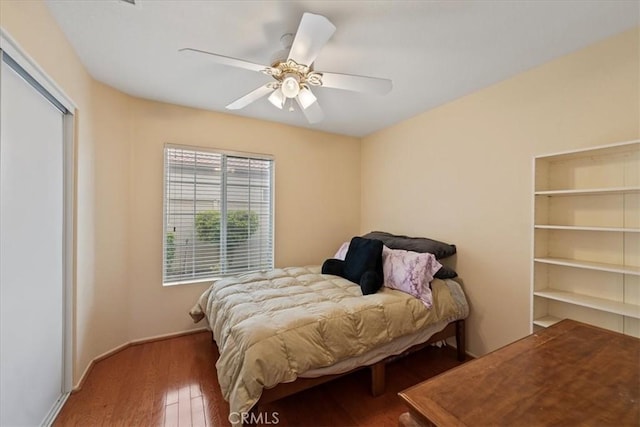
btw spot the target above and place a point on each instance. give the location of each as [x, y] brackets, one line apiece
[434, 51]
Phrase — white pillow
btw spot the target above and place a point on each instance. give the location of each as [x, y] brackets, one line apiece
[342, 252]
[410, 272]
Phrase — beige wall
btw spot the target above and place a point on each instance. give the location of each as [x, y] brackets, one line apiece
[316, 207]
[462, 173]
[103, 208]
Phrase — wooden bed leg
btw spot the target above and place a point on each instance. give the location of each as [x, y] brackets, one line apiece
[377, 379]
[460, 340]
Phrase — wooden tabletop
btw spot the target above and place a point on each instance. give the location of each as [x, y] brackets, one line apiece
[568, 374]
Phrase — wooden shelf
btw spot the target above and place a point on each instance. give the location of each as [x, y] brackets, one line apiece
[616, 307]
[586, 228]
[588, 191]
[546, 321]
[600, 266]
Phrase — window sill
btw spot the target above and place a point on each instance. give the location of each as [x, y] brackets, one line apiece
[192, 282]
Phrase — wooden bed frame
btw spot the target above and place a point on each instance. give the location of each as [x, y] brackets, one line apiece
[455, 328]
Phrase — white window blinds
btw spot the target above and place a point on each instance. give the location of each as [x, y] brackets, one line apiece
[218, 211]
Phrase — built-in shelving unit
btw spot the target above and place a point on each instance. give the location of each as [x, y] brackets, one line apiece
[586, 238]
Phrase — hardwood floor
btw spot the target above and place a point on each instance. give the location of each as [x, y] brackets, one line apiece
[174, 383]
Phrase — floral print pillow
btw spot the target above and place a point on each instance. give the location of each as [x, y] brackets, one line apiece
[410, 272]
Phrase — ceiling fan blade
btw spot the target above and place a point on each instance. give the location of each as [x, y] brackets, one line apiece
[306, 98]
[250, 97]
[313, 33]
[227, 60]
[313, 112]
[356, 83]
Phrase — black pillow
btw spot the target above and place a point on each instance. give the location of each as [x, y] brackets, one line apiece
[370, 282]
[333, 266]
[416, 244]
[445, 273]
[364, 255]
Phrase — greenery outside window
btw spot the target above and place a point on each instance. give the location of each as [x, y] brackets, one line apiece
[218, 214]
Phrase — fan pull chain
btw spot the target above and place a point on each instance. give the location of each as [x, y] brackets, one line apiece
[290, 104]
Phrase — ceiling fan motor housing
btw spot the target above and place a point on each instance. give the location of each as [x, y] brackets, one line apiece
[304, 74]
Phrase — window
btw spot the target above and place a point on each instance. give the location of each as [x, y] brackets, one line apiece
[218, 214]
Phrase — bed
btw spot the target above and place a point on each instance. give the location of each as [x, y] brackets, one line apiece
[283, 331]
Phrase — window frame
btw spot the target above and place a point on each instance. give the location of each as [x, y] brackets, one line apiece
[223, 152]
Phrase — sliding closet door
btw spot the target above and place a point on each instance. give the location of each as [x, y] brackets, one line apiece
[31, 252]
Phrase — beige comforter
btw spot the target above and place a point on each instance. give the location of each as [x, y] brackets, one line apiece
[272, 326]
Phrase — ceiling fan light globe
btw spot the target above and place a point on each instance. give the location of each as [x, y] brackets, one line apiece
[291, 86]
[277, 98]
[306, 98]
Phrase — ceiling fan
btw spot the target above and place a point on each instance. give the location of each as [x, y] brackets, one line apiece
[293, 72]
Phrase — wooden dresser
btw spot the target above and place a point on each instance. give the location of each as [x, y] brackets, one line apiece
[568, 374]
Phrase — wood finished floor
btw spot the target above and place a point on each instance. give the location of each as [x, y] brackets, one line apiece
[173, 383]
